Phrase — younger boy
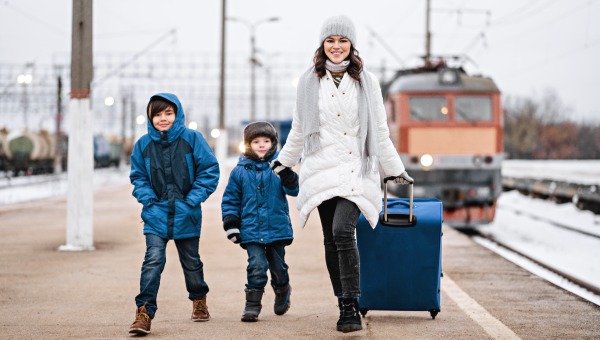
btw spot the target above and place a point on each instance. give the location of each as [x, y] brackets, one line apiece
[256, 215]
[173, 170]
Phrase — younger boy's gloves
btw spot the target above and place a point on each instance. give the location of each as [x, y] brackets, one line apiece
[232, 225]
[276, 166]
[289, 178]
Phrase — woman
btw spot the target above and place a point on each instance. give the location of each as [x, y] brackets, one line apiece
[340, 130]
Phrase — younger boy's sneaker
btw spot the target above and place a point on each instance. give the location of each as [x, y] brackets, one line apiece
[200, 310]
[142, 322]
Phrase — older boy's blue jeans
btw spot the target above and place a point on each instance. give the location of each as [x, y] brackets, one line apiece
[269, 257]
[154, 263]
[338, 219]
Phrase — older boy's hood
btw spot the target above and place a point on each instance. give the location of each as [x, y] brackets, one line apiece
[178, 125]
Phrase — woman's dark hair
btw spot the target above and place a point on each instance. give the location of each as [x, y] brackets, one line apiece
[157, 105]
[354, 69]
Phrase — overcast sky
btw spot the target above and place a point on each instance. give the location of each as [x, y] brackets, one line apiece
[527, 46]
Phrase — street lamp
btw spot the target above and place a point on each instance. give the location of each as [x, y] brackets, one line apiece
[25, 80]
[109, 102]
[253, 61]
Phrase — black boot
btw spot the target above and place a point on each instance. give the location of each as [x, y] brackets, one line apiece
[253, 305]
[282, 299]
[350, 320]
[340, 320]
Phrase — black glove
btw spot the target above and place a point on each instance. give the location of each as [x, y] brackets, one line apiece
[403, 178]
[289, 178]
[232, 225]
[276, 166]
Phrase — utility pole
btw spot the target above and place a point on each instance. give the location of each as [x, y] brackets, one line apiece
[427, 33]
[122, 158]
[222, 75]
[81, 146]
[222, 140]
[58, 149]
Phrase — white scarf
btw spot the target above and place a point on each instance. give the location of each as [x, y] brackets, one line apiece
[307, 106]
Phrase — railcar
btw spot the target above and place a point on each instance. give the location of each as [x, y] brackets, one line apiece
[25, 152]
[447, 127]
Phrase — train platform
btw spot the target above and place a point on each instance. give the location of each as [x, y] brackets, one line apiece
[46, 293]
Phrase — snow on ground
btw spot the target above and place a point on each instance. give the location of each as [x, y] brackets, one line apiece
[25, 189]
[527, 224]
[574, 171]
[517, 225]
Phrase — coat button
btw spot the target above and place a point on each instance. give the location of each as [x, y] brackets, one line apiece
[260, 222]
[260, 205]
[258, 187]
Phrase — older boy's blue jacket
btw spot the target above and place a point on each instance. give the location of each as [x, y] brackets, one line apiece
[172, 173]
[255, 195]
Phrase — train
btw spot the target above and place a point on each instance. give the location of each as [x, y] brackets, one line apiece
[26, 152]
[447, 126]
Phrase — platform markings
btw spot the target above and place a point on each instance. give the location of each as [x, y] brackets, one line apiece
[475, 311]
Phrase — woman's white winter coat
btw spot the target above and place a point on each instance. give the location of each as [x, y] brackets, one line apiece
[335, 169]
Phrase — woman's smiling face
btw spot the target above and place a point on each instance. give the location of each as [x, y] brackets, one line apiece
[337, 48]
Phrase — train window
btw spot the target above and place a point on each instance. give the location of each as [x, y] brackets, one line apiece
[428, 108]
[473, 108]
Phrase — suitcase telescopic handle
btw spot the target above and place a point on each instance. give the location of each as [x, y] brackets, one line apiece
[410, 194]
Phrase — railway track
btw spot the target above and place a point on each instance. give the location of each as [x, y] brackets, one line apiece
[587, 290]
[555, 223]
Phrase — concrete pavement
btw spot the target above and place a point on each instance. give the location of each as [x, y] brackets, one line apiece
[49, 294]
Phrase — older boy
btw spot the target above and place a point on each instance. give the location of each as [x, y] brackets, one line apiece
[173, 171]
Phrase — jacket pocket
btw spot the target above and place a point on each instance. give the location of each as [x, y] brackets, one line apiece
[187, 218]
[155, 215]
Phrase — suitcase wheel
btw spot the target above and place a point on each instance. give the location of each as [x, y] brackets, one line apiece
[433, 313]
[363, 311]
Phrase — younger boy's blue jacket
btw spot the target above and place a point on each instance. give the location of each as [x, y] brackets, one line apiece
[256, 197]
[172, 173]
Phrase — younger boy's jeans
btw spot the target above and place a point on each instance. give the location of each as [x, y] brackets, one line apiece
[338, 219]
[266, 257]
[154, 263]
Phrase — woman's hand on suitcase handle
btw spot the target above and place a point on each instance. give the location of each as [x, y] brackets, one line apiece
[403, 178]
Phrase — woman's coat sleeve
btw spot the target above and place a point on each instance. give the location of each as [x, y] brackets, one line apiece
[388, 156]
[292, 150]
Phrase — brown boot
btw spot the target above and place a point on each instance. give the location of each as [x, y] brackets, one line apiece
[141, 325]
[200, 311]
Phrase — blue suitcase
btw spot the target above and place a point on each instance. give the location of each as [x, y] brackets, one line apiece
[401, 259]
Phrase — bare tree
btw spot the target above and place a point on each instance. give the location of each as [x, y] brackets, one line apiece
[521, 127]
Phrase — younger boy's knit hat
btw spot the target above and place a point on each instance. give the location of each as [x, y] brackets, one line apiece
[259, 129]
[338, 25]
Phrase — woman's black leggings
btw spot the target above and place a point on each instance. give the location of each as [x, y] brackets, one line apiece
[338, 219]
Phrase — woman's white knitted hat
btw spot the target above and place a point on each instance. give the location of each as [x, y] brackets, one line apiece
[338, 25]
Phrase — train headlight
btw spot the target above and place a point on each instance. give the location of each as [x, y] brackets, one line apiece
[448, 76]
[426, 160]
[483, 192]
